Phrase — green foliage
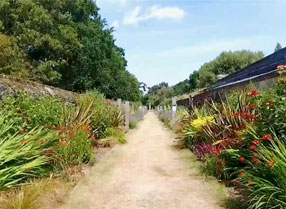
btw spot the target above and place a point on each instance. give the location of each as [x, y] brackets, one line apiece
[105, 115]
[39, 134]
[79, 114]
[23, 156]
[12, 59]
[211, 167]
[117, 134]
[64, 43]
[132, 124]
[28, 112]
[74, 146]
[269, 183]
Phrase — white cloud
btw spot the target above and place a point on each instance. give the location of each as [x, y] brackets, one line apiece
[115, 24]
[155, 12]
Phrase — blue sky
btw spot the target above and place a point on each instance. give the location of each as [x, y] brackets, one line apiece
[166, 40]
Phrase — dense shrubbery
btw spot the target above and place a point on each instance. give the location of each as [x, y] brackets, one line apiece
[242, 142]
[38, 135]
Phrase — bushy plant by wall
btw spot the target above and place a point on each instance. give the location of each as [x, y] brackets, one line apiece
[242, 142]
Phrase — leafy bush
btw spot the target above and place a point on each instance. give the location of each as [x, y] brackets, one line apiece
[105, 115]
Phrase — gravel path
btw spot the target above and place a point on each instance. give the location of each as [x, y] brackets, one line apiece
[146, 173]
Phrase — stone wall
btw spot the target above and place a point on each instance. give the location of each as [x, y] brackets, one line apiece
[11, 85]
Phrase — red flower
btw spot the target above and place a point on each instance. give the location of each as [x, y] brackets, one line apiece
[235, 181]
[256, 141]
[255, 160]
[49, 152]
[236, 115]
[58, 128]
[271, 164]
[252, 147]
[266, 137]
[252, 107]
[270, 103]
[250, 116]
[243, 114]
[242, 174]
[241, 159]
[254, 93]
[72, 134]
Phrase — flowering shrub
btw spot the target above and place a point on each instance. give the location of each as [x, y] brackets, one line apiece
[74, 146]
[244, 144]
[39, 134]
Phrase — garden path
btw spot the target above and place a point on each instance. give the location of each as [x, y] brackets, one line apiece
[148, 173]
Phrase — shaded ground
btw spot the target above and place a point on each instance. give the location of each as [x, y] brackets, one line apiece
[146, 173]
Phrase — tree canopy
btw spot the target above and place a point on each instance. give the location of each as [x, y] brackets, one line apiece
[63, 43]
[278, 47]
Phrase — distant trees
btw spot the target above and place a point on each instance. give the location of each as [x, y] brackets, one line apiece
[63, 43]
[226, 63]
[278, 47]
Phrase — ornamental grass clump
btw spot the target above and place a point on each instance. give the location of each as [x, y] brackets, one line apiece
[265, 181]
[23, 156]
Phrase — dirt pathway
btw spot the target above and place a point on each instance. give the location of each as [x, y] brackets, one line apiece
[146, 173]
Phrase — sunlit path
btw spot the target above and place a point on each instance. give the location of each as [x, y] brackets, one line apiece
[146, 173]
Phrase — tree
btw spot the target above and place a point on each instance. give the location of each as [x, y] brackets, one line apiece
[226, 63]
[67, 44]
[12, 59]
[278, 47]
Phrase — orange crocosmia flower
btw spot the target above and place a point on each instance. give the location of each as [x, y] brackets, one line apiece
[241, 159]
[219, 162]
[250, 182]
[252, 107]
[255, 160]
[242, 174]
[266, 137]
[255, 154]
[256, 141]
[252, 147]
[271, 164]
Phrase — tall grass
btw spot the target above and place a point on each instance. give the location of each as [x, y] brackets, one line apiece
[23, 156]
[269, 183]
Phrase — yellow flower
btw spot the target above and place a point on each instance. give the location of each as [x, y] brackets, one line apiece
[200, 122]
